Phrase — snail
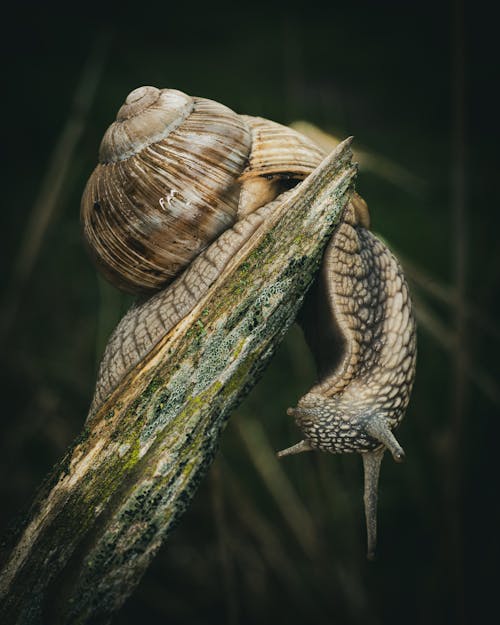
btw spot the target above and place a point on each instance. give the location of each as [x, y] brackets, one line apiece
[181, 184]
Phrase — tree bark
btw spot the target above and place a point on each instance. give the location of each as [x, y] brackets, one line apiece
[106, 508]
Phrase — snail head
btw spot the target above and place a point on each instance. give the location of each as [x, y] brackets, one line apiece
[339, 426]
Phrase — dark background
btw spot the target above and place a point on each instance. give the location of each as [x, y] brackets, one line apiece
[415, 82]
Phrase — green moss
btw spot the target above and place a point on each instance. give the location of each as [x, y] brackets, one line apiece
[154, 385]
[132, 456]
[238, 349]
[262, 256]
[238, 379]
[239, 287]
[193, 404]
[197, 330]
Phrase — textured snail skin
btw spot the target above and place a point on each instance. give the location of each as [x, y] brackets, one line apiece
[359, 324]
[366, 298]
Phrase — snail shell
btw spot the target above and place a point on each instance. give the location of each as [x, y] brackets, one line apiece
[174, 172]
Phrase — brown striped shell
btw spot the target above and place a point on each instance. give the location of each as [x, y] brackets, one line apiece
[174, 172]
[280, 157]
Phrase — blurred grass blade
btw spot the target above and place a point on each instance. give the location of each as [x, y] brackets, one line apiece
[379, 165]
[223, 537]
[261, 529]
[264, 458]
[447, 295]
[430, 322]
[45, 205]
[268, 536]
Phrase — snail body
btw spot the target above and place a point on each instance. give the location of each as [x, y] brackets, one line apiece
[359, 325]
[181, 185]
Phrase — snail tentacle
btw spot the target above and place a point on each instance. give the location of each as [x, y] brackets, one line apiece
[371, 465]
[298, 448]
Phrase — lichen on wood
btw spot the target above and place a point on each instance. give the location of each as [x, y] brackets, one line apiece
[109, 504]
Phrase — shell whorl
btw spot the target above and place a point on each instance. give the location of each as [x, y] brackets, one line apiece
[280, 150]
[147, 116]
[165, 188]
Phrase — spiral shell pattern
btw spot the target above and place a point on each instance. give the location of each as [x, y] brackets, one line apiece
[165, 186]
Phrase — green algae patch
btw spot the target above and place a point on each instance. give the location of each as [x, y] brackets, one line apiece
[132, 456]
[238, 349]
[239, 379]
[156, 383]
[244, 267]
[194, 404]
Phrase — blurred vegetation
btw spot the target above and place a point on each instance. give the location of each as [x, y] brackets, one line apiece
[268, 541]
